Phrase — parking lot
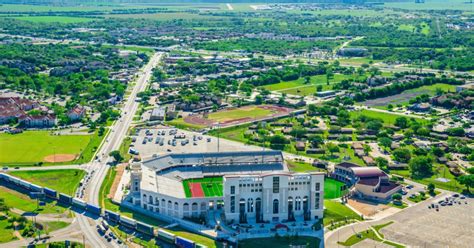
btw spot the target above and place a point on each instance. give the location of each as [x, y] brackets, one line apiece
[157, 141]
[449, 226]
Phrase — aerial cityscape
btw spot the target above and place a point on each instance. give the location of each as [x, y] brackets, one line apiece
[227, 124]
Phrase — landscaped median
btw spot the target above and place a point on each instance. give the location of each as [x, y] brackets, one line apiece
[372, 233]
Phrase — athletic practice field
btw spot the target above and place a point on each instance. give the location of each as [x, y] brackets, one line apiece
[333, 188]
[203, 187]
[237, 116]
[41, 146]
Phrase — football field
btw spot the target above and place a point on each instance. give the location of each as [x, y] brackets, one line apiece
[203, 187]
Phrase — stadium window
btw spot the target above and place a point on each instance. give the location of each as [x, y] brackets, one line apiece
[276, 184]
[316, 203]
[232, 204]
[317, 187]
[232, 190]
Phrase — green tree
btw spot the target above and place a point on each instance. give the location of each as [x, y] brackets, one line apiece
[385, 142]
[258, 99]
[402, 155]
[397, 197]
[278, 142]
[116, 155]
[401, 122]
[466, 180]
[382, 163]
[431, 188]
[421, 166]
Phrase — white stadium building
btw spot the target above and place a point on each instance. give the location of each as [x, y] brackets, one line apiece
[248, 187]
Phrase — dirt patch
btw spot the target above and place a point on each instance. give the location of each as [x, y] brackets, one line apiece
[57, 158]
[367, 208]
[113, 189]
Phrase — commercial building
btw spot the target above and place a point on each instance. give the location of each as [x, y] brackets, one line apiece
[366, 182]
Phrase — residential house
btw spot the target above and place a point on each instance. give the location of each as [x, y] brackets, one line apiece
[76, 113]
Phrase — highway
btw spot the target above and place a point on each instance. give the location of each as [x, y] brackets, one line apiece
[98, 167]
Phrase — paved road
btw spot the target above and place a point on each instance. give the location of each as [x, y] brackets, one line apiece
[98, 167]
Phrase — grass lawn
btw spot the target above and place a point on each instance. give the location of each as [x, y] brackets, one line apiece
[369, 234]
[280, 242]
[6, 230]
[333, 188]
[23, 202]
[31, 147]
[404, 97]
[59, 19]
[440, 171]
[297, 166]
[336, 211]
[231, 133]
[180, 123]
[239, 113]
[64, 181]
[211, 186]
[53, 226]
[298, 87]
[388, 118]
[124, 147]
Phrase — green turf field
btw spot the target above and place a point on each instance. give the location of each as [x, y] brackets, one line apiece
[332, 188]
[33, 146]
[64, 181]
[59, 19]
[211, 186]
[238, 113]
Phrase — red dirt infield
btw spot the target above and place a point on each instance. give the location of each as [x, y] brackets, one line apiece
[196, 190]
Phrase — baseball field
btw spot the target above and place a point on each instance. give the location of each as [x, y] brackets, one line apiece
[42, 146]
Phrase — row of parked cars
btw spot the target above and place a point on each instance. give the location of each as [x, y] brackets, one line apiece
[448, 201]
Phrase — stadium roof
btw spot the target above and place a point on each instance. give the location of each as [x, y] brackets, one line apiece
[269, 157]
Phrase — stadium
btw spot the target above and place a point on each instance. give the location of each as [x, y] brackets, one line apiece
[253, 186]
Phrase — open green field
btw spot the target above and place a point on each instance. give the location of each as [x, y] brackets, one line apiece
[440, 171]
[404, 97]
[300, 82]
[32, 147]
[59, 19]
[6, 230]
[432, 5]
[64, 181]
[167, 16]
[211, 186]
[23, 202]
[336, 211]
[333, 188]
[388, 118]
[239, 113]
[180, 123]
[281, 242]
[45, 8]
